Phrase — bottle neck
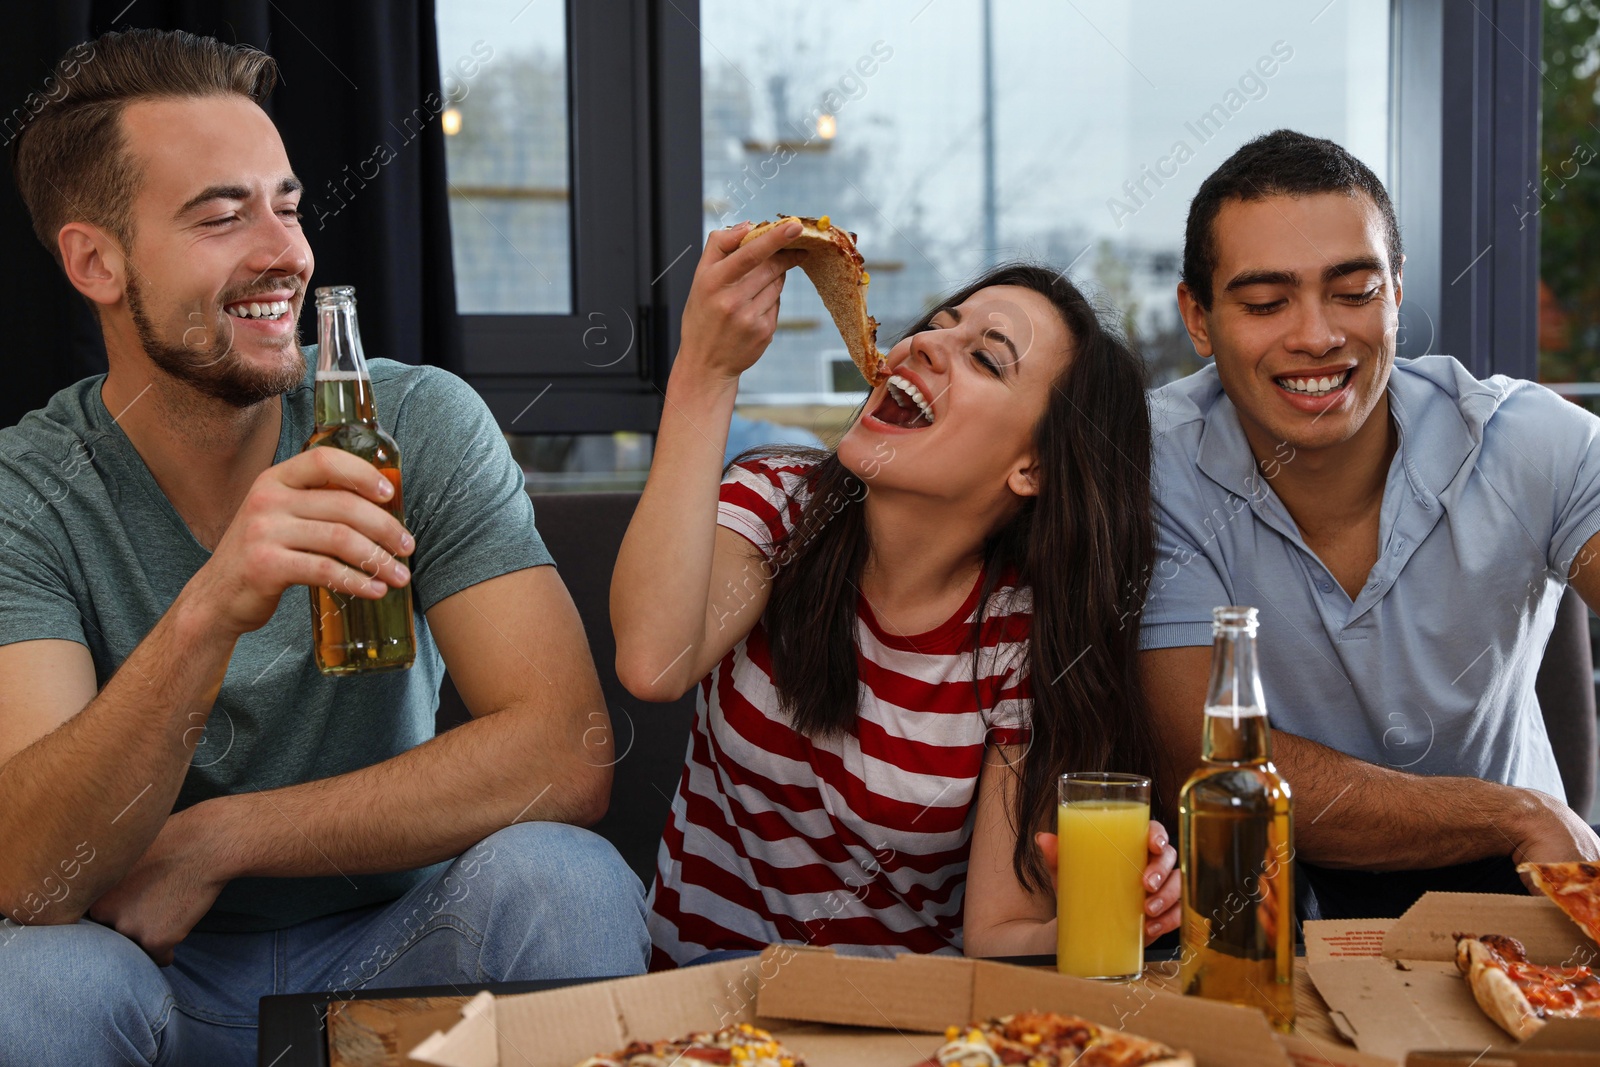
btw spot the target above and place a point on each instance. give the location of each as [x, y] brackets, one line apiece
[344, 388]
[1236, 728]
[1230, 738]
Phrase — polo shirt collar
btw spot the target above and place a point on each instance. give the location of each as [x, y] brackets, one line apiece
[1435, 440]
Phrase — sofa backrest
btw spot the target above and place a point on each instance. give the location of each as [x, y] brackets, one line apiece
[583, 532]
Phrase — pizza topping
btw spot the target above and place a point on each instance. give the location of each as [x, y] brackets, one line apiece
[1047, 1039]
[745, 1045]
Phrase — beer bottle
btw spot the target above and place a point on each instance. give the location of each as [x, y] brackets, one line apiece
[355, 635]
[1235, 841]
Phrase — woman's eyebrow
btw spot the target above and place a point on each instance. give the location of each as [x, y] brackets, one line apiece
[1015, 358]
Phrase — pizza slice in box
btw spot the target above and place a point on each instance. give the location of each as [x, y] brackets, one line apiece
[1050, 1039]
[1575, 887]
[744, 1045]
[1518, 995]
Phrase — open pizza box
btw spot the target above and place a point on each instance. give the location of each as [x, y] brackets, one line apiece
[836, 1011]
[1393, 990]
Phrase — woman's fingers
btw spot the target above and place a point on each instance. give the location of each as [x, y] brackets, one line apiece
[1163, 886]
[745, 259]
[764, 276]
[720, 244]
[1157, 902]
[1162, 924]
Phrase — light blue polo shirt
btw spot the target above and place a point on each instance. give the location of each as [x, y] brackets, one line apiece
[1492, 494]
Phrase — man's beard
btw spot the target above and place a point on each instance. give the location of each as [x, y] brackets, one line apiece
[213, 368]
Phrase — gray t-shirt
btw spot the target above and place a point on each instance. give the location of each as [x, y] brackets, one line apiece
[92, 551]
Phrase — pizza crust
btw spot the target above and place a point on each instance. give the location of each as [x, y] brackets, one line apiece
[835, 268]
[1494, 990]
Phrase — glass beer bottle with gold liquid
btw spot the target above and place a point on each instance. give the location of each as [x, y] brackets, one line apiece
[355, 635]
[1235, 841]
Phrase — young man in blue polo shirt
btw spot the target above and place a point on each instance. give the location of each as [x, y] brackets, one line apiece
[191, 816]
[1405, 529]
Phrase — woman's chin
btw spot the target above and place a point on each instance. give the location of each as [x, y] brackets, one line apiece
[859, 455]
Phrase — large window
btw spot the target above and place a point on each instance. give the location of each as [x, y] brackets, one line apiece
[953, 136]
[504, 68]
[602, 139]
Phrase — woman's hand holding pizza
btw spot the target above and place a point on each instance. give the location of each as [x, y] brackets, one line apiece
[732, 309]
[1162, 886]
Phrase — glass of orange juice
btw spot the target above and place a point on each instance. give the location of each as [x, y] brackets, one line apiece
[1104, 825]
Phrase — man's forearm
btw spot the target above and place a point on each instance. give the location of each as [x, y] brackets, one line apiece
[425, 805]
[81, 804]
[1350, 813]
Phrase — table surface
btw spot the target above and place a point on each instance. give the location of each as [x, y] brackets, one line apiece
[374, 1027]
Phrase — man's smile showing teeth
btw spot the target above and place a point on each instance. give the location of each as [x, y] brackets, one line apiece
[1316, 386]
[270, 310]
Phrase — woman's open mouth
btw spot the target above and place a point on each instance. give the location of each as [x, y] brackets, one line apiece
[903, 406]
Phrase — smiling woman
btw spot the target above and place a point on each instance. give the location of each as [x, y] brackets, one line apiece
[899, 644]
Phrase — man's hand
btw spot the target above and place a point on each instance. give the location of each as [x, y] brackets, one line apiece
[169, 888]
[312, 520]
[1547, 831]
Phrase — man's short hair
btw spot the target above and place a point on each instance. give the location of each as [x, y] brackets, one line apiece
[1280, 163]
[70, 159]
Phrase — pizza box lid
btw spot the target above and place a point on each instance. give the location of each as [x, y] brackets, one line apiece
[835, 1010]
[1392, 987]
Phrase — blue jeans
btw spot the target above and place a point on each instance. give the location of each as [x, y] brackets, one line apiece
[536, 900]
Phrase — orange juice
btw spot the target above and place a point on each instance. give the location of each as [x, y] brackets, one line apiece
[1100, 898]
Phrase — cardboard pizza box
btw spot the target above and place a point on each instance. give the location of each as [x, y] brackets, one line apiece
[1393, 990]
[836, 1011]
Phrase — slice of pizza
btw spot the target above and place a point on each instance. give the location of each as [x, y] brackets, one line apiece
[1575, 887]
[1050, 1039]
[1518, 995]
[746, 1045]
[837, 270]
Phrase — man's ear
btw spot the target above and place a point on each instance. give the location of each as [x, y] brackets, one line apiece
[1194, 320]
[1398, 281]
[1024, 481]
[94, 261]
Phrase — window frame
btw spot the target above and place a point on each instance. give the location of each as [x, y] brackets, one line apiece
[631, 113]
[1465, 85]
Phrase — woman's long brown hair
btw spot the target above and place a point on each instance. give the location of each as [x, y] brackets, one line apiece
[1083, 546]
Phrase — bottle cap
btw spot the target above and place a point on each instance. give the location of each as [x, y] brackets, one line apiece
[329, 295]
[1233, 617]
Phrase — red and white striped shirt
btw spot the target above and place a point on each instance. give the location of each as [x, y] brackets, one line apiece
[857, 840]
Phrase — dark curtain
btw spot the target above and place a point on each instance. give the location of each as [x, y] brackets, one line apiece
[357, 106]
